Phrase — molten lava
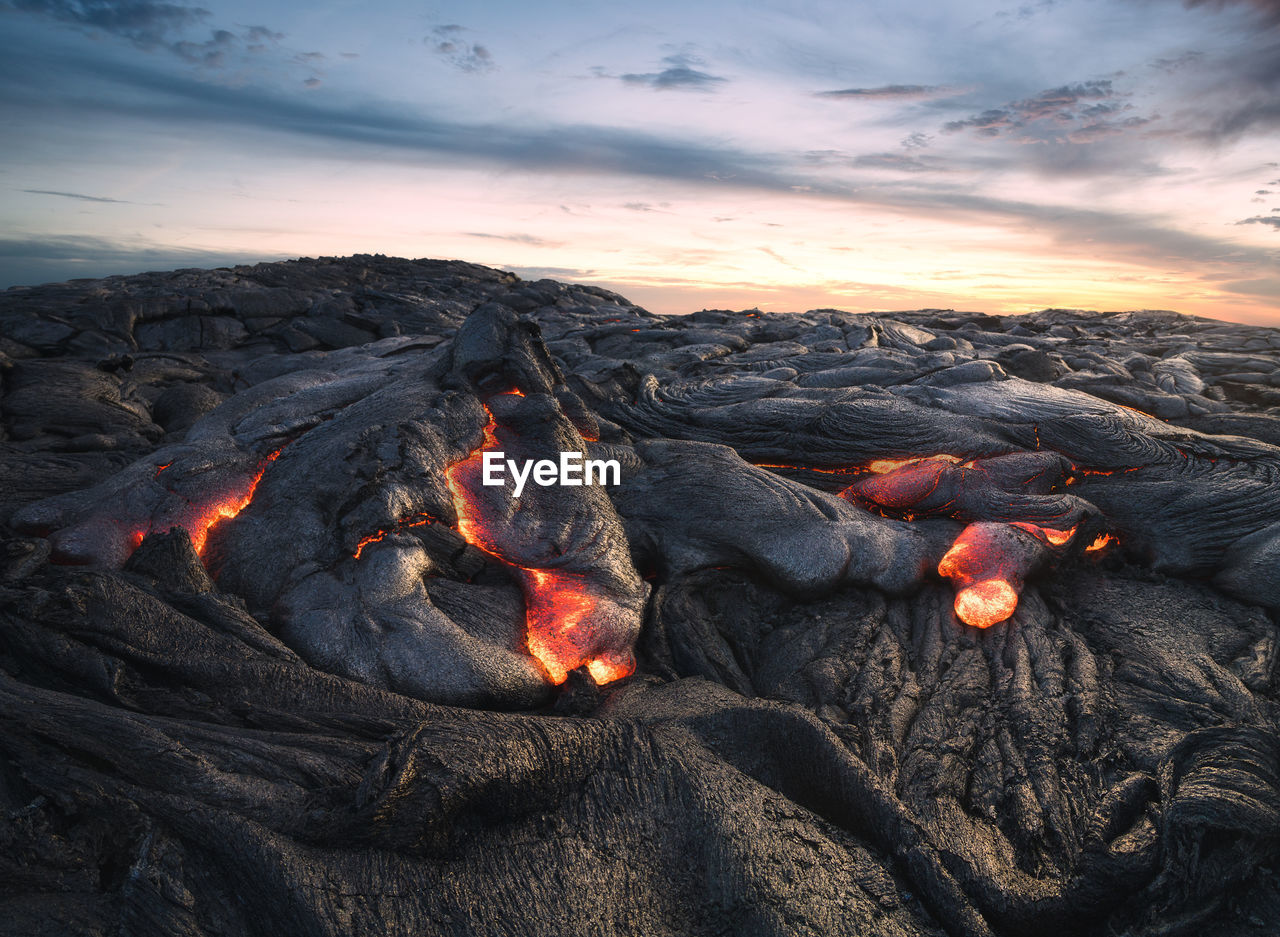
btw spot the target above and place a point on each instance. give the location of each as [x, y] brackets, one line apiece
[904, 485]
[231, 504]
[1100, 543]
[559, 606]
[559, 609]
[987, 562]
[986, 603]
[1051, 536]
[805, 468]
[413, 520]
[469, 526]
[885, 466]
[202, 517]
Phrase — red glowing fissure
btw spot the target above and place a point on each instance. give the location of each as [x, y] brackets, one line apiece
[206, 516]
[413, 520]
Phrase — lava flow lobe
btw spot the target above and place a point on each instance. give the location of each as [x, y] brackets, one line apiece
[579, 612]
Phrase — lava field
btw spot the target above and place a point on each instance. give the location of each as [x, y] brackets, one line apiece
[912, 623]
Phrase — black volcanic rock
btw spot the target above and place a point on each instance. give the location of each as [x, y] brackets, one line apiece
[273, 659]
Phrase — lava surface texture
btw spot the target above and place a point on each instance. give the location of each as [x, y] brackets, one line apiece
[923, 624]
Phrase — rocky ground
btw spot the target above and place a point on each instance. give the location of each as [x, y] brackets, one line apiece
[916, 623]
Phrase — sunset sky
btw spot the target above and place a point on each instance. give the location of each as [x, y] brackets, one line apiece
[1100, 154]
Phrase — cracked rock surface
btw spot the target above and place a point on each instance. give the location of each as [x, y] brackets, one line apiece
[273, 659]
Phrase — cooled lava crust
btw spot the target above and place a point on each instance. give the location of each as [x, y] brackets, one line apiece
[916, 623]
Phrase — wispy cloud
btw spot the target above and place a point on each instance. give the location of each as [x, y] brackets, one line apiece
[899, 162]
[212, 53]
[449, 43]
[1262, 219]
[1062, 105]
[529, 239]
[679, 75]
[144, 22]
[77, 195]
[1237, 94]
[1269, 10]
[1170, 64]
[106, 86]
[151, 25]
[1268, 286]
[889, 93]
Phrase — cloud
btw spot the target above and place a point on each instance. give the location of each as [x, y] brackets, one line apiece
[106, 89]
[988, 124]
[1234, 93]
[889, 92]
[77, 195]
[104, 86]
[150, 25]
[1063, 106]
[679, 75]
[559, 273]
[447, 42]
[141, 21]
[1267, 286]
[1144, 239]
[1269, 10]
[1247, 102]
[261, 34]
[211, 54]
[895, 161]
[1107, 128]
[1177, 62]
[1262, 219]
[530, 239]
[778, 257]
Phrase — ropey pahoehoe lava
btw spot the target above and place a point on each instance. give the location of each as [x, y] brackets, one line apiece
[966, 624]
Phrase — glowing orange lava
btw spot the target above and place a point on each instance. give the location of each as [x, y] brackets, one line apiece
[413, 520]
[1049, 535]
[469, 526]
[960, 562]
[1086, 471]
[558, 604]
[805, 468]
[559, 609]
[905, 485]
[986, 603]
[987, 579]
[1100, 543]
[884, 466]
[231, 504]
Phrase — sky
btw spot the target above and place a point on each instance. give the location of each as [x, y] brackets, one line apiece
[966, 154]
